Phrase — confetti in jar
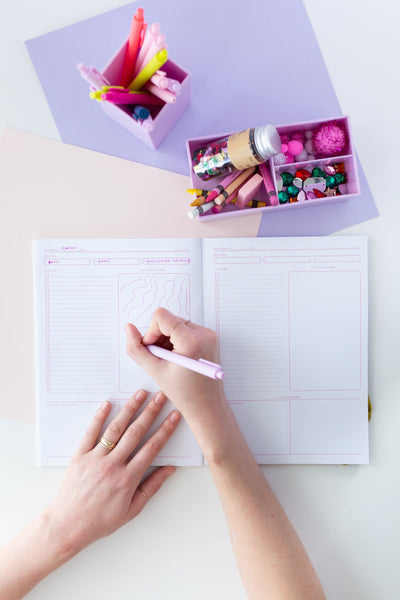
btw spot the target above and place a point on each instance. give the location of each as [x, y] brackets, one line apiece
[236, 152]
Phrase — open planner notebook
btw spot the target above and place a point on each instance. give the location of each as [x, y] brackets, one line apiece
[292, 318]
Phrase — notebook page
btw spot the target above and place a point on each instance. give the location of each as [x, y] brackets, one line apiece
[85, 293]
[292, 316]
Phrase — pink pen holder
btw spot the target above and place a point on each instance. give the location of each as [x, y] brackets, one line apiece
[164, 117]
[313, 190]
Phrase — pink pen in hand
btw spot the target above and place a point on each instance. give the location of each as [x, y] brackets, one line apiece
[202, 366]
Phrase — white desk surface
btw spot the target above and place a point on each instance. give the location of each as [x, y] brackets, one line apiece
[346, 516]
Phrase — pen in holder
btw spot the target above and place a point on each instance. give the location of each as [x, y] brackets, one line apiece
[133, 77]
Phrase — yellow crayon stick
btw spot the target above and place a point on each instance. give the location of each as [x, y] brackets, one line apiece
[255, 204]
[198, 192]
[198, 201]
[152, 66]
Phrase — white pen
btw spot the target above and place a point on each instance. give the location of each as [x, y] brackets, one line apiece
[202, 366]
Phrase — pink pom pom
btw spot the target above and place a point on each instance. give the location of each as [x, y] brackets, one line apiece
[289, 158]
[284, 138]
[284, 148]
[330, 139]
[298, 136]
[295, 147]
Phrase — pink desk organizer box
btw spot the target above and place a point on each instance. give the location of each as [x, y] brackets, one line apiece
[349, 160]
[165, 116]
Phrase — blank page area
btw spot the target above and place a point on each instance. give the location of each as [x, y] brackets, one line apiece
[325, 330]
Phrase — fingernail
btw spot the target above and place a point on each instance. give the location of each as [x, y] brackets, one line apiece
[105, 405]
[140, 395]
[171, 471]
[175, 416]
[159, 397]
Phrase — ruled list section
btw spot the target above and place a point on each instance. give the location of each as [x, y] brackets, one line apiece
[80, 333]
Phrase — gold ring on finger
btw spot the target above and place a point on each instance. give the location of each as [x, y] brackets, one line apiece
[107, 444]
[143, 493]
[177, 325]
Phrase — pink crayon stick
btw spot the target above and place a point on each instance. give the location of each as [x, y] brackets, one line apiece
[269, 185]
[218, 207]
[232, 196]
[165, 95]
[234, 186]
[219, 189]
[129, 98]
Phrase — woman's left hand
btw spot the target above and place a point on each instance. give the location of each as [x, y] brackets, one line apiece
[101, 490]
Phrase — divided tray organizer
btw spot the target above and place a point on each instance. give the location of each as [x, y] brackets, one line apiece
[345, 162]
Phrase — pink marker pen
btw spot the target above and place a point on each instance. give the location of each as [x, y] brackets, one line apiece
[92, 76]
[173, 85]
[135, 40]
[148, 124]
[165, 95]
[151, 33]
[202, 366]
[131, 98]
[159, 80]
[157, 44]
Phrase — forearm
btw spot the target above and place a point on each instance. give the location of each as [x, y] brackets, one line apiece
[29, 557]
[269, 554]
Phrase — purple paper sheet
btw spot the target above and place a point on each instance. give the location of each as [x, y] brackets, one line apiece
[244, 74]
